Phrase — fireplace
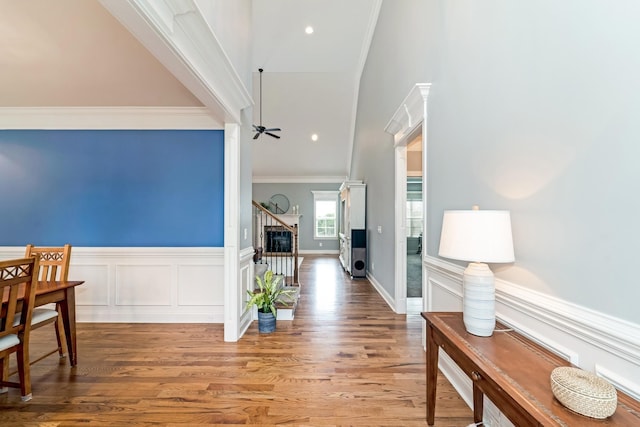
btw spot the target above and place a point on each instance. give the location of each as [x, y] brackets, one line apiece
[278, 239]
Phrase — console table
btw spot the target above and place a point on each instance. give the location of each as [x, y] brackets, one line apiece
[514, 373]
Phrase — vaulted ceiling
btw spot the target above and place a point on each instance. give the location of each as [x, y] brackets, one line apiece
[72, 53]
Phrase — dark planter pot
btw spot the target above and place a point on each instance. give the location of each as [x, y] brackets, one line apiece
[266, 322]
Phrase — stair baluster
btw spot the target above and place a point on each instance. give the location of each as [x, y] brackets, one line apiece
[276, 244]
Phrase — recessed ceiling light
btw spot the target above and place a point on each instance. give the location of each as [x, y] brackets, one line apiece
[309, 29]
[314, 137]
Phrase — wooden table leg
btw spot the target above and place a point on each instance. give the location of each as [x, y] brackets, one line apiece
[68, 311]
[60, 336]
[432, 374]
[478, 403]
[4, 372]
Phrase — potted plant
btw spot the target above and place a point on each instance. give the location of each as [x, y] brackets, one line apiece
[269, 292]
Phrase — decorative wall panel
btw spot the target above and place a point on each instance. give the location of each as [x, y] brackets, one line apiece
[143, 285]
[200, 285]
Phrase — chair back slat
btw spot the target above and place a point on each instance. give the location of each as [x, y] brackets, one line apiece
[44, 272]
[8, 308]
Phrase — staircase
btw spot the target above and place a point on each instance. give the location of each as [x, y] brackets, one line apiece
[276, 248]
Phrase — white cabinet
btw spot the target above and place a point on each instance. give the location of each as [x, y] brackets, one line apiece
[352, 217]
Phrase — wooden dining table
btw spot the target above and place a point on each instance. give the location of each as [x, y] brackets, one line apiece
[62, 293]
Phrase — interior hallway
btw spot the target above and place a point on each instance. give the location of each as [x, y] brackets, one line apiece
[346, 359]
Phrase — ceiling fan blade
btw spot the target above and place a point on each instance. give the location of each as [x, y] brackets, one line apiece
[273, 135]
[256, 135]
[273, 130]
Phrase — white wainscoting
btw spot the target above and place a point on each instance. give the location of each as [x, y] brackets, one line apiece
[594, 341]
[247, 280]
[155, 285]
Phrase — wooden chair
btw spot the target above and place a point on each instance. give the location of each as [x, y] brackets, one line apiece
[14, 336]
[54, 265]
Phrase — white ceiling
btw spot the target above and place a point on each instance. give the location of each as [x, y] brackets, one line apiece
[74, 53]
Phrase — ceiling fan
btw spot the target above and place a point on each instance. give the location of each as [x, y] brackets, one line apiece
[259, 128]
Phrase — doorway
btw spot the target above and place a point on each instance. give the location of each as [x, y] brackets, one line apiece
[414, 220]
[407, 124]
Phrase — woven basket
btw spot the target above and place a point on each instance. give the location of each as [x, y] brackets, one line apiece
[584, 392]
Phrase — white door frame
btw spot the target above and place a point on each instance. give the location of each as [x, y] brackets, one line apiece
[411, 114]
[232, 283]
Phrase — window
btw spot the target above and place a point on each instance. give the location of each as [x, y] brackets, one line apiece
[325, 214]
[414, 218]
[414, 206]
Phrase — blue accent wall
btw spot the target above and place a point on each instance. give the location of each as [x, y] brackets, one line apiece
[112, 188]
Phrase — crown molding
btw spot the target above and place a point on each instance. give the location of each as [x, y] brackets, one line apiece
[177, 34]
[298, 179]
[108, 118]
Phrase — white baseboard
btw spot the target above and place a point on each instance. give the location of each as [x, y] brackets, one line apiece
[319, 252]
[388, 298]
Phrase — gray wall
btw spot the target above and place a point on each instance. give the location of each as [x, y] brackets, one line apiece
[534, 108]
[396, 62]
[246, 150]
[300, 194]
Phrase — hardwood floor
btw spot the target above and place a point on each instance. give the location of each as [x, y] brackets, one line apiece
[346, 359]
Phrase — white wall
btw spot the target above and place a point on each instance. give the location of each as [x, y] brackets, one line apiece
[396, 62]
[231, 23]
[531, 109]
[534, 108]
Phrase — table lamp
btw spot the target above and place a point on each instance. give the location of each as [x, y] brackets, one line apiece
[478, 236]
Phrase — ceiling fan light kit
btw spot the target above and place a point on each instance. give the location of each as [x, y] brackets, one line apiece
[260, 129]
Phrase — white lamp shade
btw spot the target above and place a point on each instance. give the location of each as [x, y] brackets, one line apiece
[477, 236]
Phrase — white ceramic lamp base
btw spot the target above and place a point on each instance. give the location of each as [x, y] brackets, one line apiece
[479, 300]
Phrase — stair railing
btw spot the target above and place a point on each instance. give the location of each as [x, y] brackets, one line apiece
[275, 243]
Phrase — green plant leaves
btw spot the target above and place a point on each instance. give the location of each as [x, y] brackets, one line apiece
[269, 291]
